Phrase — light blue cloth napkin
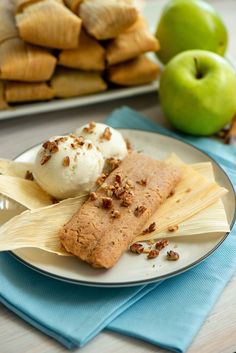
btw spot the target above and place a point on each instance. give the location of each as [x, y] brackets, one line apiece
[167, 314]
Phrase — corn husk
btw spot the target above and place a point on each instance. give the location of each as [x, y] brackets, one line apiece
[16, 92]
[105, 19]
[23, 62]
[20, 5]
[89, 55]
[16, 169]
[3, 103]
[39, 228]
[73, 5]
[133, 42]
[72, 83]
[25, 192]
[50, 24]
[133, 72]
[8, 28]
[195, 207]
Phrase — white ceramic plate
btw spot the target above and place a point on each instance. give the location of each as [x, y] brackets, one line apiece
[130, 269]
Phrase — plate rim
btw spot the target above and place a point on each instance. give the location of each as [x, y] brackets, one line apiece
[154, 279]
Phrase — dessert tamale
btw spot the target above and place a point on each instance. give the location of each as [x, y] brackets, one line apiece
[3, 103]
[50, 24]
[8, 28]
[71, 83]
[28, 92]
[135, 41]
[89, 55]
[105, 19]
[103, 228]
[23, 62]
[137, 71]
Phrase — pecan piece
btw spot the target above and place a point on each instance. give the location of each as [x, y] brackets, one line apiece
[90, 128]
[153, 254]
[51, 146]
[115, 214]
[101, 179]
[139, 210]
[136, 248]
[113, 163]
[172, 255]
[93, 196]
[161, 244]
[127, 199]
[151, 228]
[45, 159]
[107, 202]
[106, 135]
[142, 182]
[66, 161]
[29, 175]
[173, 228]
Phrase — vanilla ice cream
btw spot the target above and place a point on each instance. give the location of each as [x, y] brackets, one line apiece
[67, 166]
[109, 141]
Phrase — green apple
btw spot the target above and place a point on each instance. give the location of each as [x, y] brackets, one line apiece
[198, 92]
[190, 24]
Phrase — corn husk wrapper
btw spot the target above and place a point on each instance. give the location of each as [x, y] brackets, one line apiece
[39, 228]
[135, 41]
[105, 19]
[8, 28]
[3, 103]
[73, 5]
[89, 55]
[21, 4]
[195, 206]
[50, 24]
[25, 192]
[72, 83]
[23, 62]
[133, 72]
[16, 169]
[16, 92]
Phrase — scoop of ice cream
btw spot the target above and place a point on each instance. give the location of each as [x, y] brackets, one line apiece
[108, 140]
[67, 166]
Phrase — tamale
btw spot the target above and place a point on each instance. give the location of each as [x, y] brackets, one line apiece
[21, 4]
[89, 55]
[8, 28]
[3, 103]
[39, 228]
[50, 24]
[105, 19]
[23, 62]
[28, 92]
[71, 83]
[137, 71]
[133, 42]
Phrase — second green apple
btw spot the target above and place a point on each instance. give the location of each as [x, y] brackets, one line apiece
[190, 24]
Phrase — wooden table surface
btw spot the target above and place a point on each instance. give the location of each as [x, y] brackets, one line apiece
[218, 333]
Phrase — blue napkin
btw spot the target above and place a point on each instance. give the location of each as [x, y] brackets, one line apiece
[167, 314]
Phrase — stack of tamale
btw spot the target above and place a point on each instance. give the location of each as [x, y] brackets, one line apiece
[56, 48]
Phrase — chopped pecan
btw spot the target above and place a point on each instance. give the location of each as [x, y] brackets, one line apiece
[51, 146]
[142, 182]
[61, 139]
[153, 254]
[139, 210]
[127, 199]
[113, 163]
[29, 175]
[89, 146]
[106, 135]
[45, 159]
[136, 248]
[93, 196]
[173, 228]
[107, 202]
[90, 128]
[161, 244]
[115, 214]
[172, 255]
[118, 178]
[66, 161]
[151, 228]
[101, 179]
